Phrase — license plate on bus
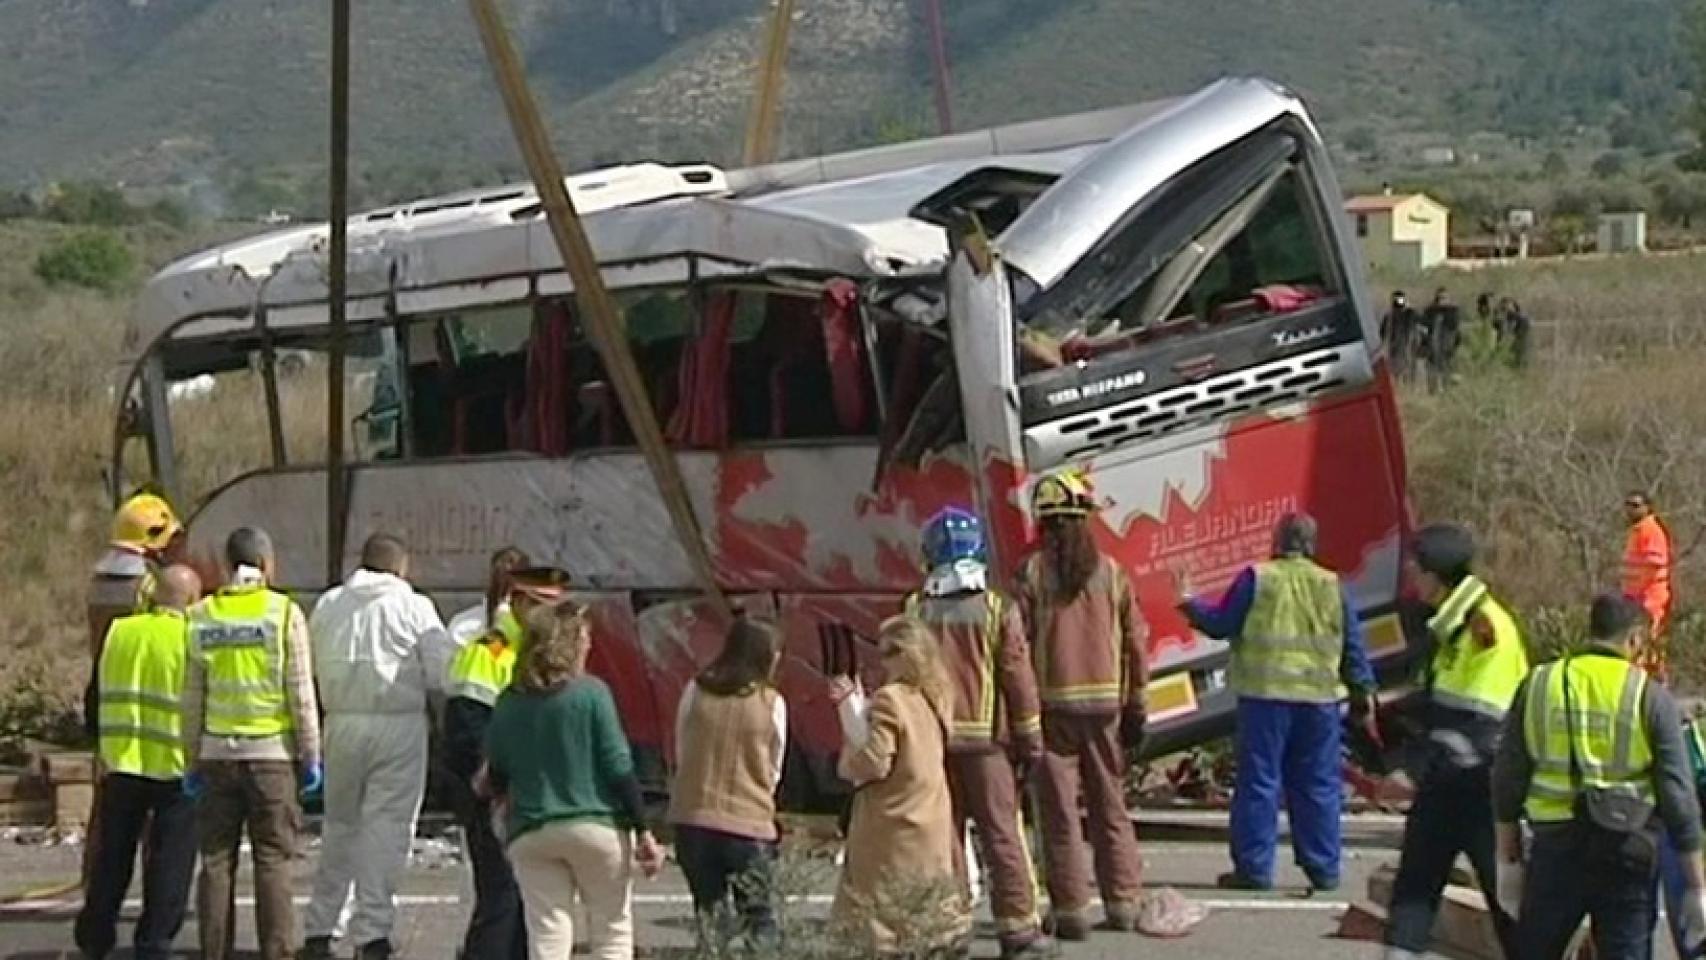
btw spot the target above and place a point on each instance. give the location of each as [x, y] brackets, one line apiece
[1384, 635]
[1170, 697]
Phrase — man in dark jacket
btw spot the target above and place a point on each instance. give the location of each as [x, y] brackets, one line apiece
[1593, 757]
[1398, 333]
[1443, 322]
[480, 672]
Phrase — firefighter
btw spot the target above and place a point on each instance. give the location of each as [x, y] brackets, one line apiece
[1297, 651]
[1646, 576]
[1593, 756]
[1478, 662]
[1087, 640]
[996, 728]
[480, 672]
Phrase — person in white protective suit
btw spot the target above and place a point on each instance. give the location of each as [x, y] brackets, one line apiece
[379, 649]
[493, 612]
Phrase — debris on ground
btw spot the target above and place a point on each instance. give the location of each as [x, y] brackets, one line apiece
[1167, 913]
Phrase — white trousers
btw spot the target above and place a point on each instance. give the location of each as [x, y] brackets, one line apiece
[554, 863]
[376, 768]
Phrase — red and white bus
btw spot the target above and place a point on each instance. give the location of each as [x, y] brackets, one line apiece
[839, 347]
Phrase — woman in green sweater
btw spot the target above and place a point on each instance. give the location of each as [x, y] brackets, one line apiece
[559, 763]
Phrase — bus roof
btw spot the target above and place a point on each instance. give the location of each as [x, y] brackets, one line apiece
[846, 214]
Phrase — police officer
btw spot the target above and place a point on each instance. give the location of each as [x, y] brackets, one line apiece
[1297, 652]
[480, 672]
[141, 679]
[251, 740]
[996, 723]
[1478, 662]
[1593, 755]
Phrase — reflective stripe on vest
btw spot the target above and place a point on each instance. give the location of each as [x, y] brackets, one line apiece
[482, 669]
[1466, 675]
[1293, 637]
[1611, 745]
[238, 635]
[983, 725]
[141, 678]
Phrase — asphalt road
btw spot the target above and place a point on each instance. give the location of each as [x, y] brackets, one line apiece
[1186, 852]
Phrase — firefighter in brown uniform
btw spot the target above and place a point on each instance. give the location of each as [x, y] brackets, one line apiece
[995, 725]
[1087, 638]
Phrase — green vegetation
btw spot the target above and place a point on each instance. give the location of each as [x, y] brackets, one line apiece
[95, 259]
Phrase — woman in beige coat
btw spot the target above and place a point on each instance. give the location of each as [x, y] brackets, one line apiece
[898, 889]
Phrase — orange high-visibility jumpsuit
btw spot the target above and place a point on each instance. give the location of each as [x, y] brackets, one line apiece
[1646, 580]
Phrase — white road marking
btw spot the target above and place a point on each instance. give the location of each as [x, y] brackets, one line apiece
[1311, 905]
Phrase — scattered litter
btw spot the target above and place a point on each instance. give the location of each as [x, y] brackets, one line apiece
[434, 853]
[1166, 913]
[43, 836]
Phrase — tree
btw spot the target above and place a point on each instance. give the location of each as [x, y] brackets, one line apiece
[1609, 164]
[1554, 167]
[1362, 142]
[92, 204]
[96, 259]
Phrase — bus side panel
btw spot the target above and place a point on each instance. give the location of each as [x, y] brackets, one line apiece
[619, 660]
[805, 517]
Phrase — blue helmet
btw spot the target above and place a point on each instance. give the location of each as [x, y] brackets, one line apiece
[951, 536]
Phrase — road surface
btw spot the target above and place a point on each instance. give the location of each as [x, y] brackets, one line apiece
[1186, 852]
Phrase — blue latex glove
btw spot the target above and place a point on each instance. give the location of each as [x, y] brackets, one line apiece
[312, 779]
[194, 785]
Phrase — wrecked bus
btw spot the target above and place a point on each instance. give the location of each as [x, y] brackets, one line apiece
[837, 348]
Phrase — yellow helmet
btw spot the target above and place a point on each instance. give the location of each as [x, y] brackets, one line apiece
[145, 522]
[1065, 493]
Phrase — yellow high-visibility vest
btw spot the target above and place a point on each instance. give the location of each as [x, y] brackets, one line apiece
[1607, 700]
[482, 669]
[238, 636]
[1294, 635]
[141, 678]
[1466, 675]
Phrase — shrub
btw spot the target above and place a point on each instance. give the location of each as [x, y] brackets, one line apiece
[95, 259]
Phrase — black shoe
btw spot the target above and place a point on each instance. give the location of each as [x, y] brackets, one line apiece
[1320, 884]
[1238, 881]
[376, 950]
[315, 948]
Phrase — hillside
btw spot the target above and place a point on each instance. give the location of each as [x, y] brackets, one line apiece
[203, 93]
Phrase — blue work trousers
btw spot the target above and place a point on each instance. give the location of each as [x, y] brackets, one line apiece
[1294, 746]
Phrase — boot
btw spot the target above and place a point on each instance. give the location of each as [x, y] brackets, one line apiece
[1069, 927]
[1238, 881]
[1122, 917]
[1028, 945]
[374, 950]
[315, 948]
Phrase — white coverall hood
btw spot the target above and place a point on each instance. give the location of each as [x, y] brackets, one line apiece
[378, 646]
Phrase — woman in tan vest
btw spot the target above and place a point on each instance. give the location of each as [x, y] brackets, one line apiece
[898, 887]
[731, 732]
